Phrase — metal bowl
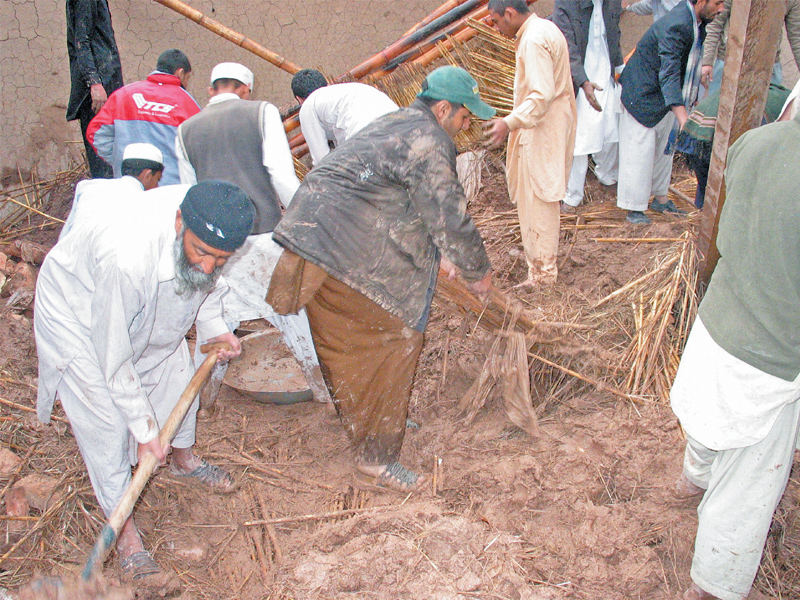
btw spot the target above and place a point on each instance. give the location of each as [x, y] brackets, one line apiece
[266, 370]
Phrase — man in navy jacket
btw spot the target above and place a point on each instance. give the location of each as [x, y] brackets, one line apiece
[654, 96]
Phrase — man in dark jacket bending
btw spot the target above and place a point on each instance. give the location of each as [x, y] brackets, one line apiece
[365, 235]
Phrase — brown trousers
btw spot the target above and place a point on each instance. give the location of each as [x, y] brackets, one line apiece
[367, 355]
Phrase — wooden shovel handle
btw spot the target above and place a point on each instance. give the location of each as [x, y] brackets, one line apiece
[148, 463]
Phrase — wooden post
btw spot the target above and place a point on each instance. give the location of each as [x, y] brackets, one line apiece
[754, 32]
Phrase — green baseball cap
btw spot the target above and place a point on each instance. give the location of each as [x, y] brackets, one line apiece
[455, 85]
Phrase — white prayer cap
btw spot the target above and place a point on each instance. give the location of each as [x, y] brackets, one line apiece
[143, 151]
[231, 70]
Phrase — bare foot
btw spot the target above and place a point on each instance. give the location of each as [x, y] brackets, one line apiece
[685, 489]
[696, 593]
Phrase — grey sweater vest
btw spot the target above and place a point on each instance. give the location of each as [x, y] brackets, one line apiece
[224, 141]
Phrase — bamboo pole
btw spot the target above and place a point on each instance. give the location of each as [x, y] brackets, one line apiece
[230, 35]
[434, 15]
[437, 20]
[429, 48]
[410, 39]
[422, 54]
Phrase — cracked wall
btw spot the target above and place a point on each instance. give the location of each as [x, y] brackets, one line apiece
[331, 35]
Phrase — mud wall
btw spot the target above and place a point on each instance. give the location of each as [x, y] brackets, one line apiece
[332, 35]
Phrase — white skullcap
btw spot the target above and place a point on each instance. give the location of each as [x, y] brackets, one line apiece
[143, 151]
[231, 70]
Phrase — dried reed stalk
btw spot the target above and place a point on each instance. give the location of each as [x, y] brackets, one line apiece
[28, 198]
[499, 309]
[663, 305]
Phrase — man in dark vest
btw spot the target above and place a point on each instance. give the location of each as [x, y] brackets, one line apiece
[243, 142]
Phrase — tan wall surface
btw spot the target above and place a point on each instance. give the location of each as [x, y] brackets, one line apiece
[332, 35]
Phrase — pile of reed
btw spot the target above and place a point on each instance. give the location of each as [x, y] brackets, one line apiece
[628, 344]
[663, 305]
[22, 206]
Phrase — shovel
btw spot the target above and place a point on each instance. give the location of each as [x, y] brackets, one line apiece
[148, 464]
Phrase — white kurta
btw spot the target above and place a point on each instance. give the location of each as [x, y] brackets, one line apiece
[337, 112]
[657, 8]
[742, 427]
[596, 129]
[110, 330]
[105, 192]
[596, 132]
[104, 294]
[791, 106]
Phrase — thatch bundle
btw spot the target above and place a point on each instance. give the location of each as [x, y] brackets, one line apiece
[20, 203]
[627, 344]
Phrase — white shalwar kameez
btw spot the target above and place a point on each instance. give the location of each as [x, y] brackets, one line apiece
[110, 332]
[742, 428]
[104, 191]
[335, 113]
[597, 132]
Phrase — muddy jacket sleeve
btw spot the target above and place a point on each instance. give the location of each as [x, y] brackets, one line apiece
[439, 199]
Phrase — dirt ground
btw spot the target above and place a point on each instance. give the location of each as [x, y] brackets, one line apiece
[583, 511]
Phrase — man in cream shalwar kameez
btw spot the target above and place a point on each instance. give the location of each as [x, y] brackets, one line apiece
[542, 131]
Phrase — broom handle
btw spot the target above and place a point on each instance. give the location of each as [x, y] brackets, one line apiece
[147, 465]
[230, 35]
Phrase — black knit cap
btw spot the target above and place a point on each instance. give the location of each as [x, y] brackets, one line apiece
[219, 213]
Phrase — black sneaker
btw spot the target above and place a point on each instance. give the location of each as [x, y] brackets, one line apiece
[666, 207]
[637, 217]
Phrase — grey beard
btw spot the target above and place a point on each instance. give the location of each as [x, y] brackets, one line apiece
[188, 279]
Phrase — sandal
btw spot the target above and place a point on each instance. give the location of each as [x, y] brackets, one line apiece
[394, 477]
[138, 566]
[216, 478]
